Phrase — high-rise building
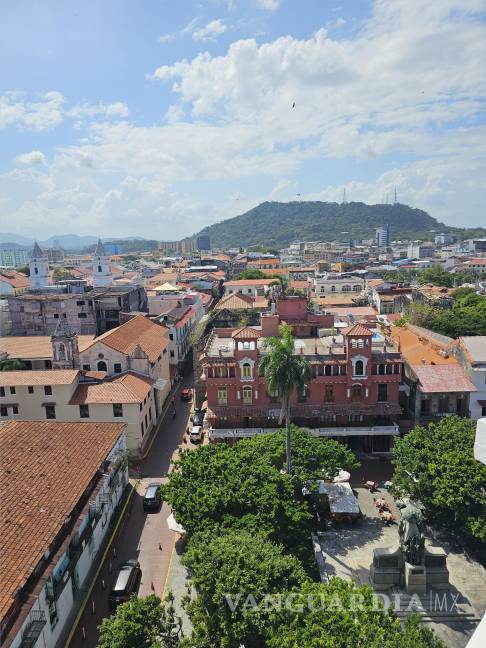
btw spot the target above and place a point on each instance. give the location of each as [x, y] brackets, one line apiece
[11, 257]
[203, 242]
[382, 236]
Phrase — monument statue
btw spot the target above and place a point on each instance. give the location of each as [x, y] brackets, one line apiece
[411, 534]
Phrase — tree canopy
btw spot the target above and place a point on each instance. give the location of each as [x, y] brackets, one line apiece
[227, 569]
[466, 317]
[243, 487]
[340, 614]
[436, 466]
[142, 623]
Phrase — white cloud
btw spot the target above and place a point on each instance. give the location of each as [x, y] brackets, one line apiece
[34, 157]
[116, 109]
[45, 114]
[281, 185]
[268, 5]
[167, 38]
[409, 85]
[210, 31]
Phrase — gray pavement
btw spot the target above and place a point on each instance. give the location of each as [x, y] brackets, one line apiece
[142, 536]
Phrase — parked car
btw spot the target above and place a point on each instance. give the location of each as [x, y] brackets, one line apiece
[126, 583]
[198, 418]
[196, 434]
[152, 498]
[186, 394]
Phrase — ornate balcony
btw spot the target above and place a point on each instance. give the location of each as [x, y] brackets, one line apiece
[37, 620]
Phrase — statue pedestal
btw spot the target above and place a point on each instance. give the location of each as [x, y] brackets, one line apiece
[436, 568]
[415, 578]
[385, 572]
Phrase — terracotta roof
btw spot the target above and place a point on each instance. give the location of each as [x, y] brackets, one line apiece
[235, 301]
[417, 349]
[443, 378]
[35, 346]
[188, 315]
[42, 377]
[357, 329]
[245, 333]
[139, 330]
[46, 467]
[14, 278]
[247, 282]
[127, 388]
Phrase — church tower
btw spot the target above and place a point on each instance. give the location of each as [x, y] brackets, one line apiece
[65, 350]
[101, 267]
[39, 268]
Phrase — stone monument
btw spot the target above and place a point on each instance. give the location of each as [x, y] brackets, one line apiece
[410, 564]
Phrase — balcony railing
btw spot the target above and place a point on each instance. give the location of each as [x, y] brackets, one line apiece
[37, 620]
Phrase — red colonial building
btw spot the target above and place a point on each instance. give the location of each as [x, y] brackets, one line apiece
[353, 393]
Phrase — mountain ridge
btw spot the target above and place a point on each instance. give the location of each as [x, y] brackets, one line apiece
[278, 224]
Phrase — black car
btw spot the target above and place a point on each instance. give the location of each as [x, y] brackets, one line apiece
[198, 418]
[152, 498]
[126, 583]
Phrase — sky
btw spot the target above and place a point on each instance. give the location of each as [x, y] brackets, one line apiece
[157, 117]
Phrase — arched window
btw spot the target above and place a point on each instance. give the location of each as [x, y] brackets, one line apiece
[102, 366]
[100, 269]
[346, 288]
[247, 395]
[357, 393]
[359, 368]
[36, 270]
[247, 370]
[333, 288]
[357, 288]
[328, 370]
[62, 351]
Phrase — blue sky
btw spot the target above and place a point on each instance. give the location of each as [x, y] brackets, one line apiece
[155, 118]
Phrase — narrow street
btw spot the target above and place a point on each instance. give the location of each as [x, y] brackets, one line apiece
[142, 536]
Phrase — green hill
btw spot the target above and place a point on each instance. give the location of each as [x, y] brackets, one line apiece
[277, 224]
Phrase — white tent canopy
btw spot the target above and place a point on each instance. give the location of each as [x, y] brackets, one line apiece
[174, 525]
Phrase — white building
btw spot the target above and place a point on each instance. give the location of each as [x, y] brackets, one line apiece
[417, 250]
[470, 351]
[39, 268]
[13, 257]
[382, 236]
[70, 395]
[330, 283]
[55, 512]
[101, 267]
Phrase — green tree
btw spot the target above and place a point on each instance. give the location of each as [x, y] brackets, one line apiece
[251, 273]
[142, 623]
[284, 371]
[436, 466]
[12, 365]
[229, 571]
[340, 614]
[219, 487]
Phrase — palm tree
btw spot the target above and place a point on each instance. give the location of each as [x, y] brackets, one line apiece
[283, 371]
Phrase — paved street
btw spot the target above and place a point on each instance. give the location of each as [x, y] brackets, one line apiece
[144, 536]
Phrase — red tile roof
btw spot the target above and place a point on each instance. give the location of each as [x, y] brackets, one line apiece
[127, 388]
[357, 329]
[442, 378]
[139, 330]
[46, 468]
[14, 278]
[43, 377]
[246, 333]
